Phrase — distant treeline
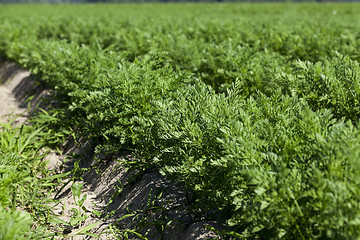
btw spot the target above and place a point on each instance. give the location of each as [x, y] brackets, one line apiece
[137, 1]
[109, 1]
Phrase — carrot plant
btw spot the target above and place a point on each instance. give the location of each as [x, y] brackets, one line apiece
[253, 108]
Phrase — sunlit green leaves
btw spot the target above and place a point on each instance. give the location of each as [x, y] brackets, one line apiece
[253, 108]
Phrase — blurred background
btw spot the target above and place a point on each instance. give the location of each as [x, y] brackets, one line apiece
[139, 1]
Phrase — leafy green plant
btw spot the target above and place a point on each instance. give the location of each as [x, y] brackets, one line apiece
[257, 116]
[77, 217]
[23, 180]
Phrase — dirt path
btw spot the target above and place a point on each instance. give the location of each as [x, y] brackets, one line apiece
[110, 188]
[9, 107]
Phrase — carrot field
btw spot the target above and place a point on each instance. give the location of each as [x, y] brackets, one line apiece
[252, 108]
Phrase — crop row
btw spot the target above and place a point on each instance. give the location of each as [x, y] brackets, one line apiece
[271, 147]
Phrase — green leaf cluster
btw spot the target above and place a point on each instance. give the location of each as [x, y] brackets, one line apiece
[253, 108]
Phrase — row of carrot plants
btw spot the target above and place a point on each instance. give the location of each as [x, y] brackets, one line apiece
[273, 153]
